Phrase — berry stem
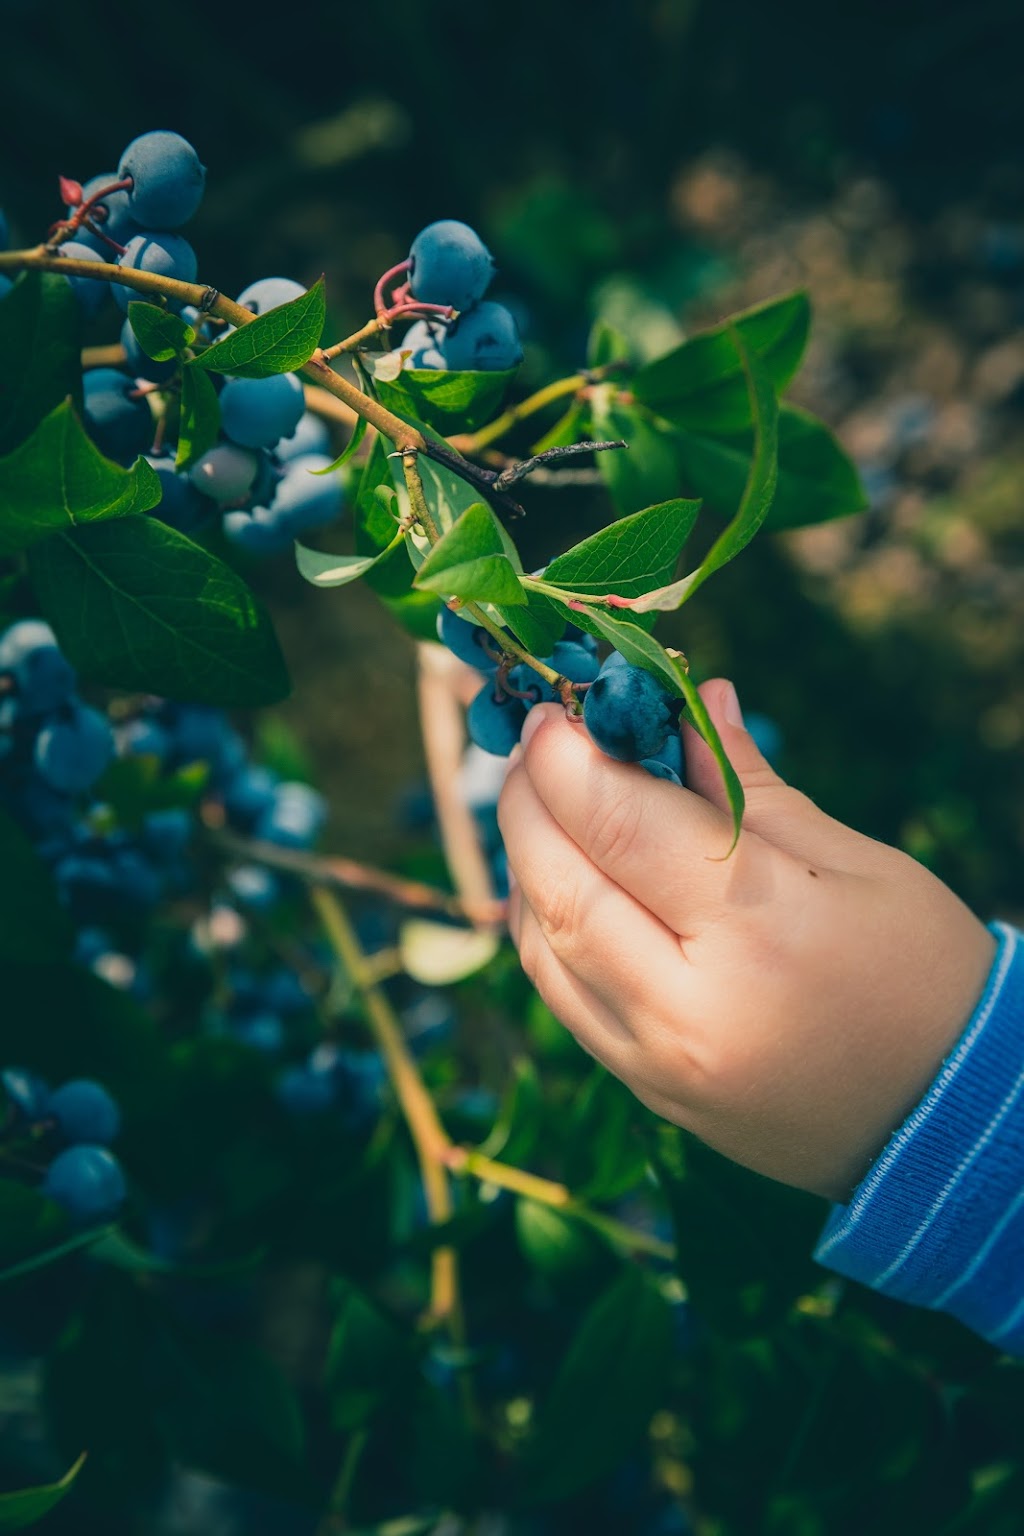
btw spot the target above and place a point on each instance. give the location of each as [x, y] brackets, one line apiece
[429, 1135]
[380, 304]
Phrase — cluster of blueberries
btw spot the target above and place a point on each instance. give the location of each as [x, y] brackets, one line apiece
[448, 264]
[627, 712]
[77, 1122]
[261, 474]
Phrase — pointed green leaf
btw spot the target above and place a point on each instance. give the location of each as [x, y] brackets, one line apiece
[199, 418]
[539, 625]
[754, 503]
[368, 1358]
[277, 342]
[514, 1134]
[606, 345]
[817, 480]
[136, 604]
[28, 1505]
[40, 342]
[59, 479]
[706, 726]
[630, 556]
[470, 562]
[701, 385]
[647, 469]
[349, 450]
[53, 1255]
[608, 1387]
[448, 402]
[161, 334]
[327, 570]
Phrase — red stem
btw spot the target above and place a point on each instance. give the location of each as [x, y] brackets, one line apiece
[379, 302]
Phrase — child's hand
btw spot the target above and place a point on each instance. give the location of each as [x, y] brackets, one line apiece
[789, 1004]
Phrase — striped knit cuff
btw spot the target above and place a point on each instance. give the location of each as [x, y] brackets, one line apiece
[939, 1218]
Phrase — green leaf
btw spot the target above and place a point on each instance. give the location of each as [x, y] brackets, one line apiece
[630, 556]
[198, 419]
[328, 570]
[644, 472]
[564, 1252]
[349, 450]
[707, 728]
[34, 927]
[606, 345]
[28, 1505]
[52, 1255]
[59, 479]
[40, 342]
[114, 1248]
[754, 503]
[639, 648]
[605, 1157]
[277, 342]
[538, 626]
[367, 1360]
[515, 1132]
[701, 385]
[817, 480]
[608, 1387]
[448, 402]
[137, 605]
[470, 562]
[568, 429]
[161, 334]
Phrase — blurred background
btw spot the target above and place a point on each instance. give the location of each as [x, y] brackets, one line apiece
[661, 163]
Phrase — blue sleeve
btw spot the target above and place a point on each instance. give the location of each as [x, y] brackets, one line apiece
[938, 1220]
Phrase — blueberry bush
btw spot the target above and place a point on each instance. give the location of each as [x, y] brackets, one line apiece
[306, 1201]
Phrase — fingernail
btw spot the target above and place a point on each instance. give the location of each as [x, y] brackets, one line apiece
[731, 707]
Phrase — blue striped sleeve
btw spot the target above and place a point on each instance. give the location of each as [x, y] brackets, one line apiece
[939, 1218]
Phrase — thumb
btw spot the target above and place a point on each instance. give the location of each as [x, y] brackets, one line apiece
[775, 811]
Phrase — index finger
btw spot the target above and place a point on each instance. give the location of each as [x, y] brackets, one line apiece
[664, 845]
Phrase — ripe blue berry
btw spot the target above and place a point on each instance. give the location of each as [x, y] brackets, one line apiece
[628, 713]
[254, 886]
[44, 680]
[164, 255]
[249, 794]
[494, 720]
[113, 215]
[269, 293]
[85, 1112]
[310, 436]
[117, 419]
[483, 339]
[89, 291]
[225, 473]
[304, 499]
[470, 642]
[168, 179]
[424, 342]
[660, 770]
[449, 265]
[180, 505]
[72, 752]
[295, 818]
[670, 757]
[88, 1182]
[255, 413]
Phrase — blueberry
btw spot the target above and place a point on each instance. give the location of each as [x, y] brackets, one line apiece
[26, 1093]
[424, 342]
[117, 418]
[659, 770]
[668, 763]
[260, 532]
[73, 752]
[180, 505]
[766, 733]
[310, 436]
[167, 833]
[163, 255]
[225, 473]
[283, 992]
[88, 1182]
[5, 234]
[112, 215]
[305, 499]
[574, 661]
[5, 285]
[483, 339]
[615, 659]
[295, 817]
[308, 1089]
[269, 293]
[628, 713]
[449, 265]
[494, 720]
[89, 291]
[29, 651]
[142, 737]
[470, 642]
[262, 1031]
[249, 794]
[256, 413]
[168, 179]
[85, 1111]
[254, 886]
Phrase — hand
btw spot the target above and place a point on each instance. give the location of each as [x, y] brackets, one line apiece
[790, 1003]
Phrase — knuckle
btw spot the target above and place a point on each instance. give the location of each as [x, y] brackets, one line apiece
[558, 915]
[614, 828]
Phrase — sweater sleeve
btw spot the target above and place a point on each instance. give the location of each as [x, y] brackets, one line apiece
[938, 1219]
